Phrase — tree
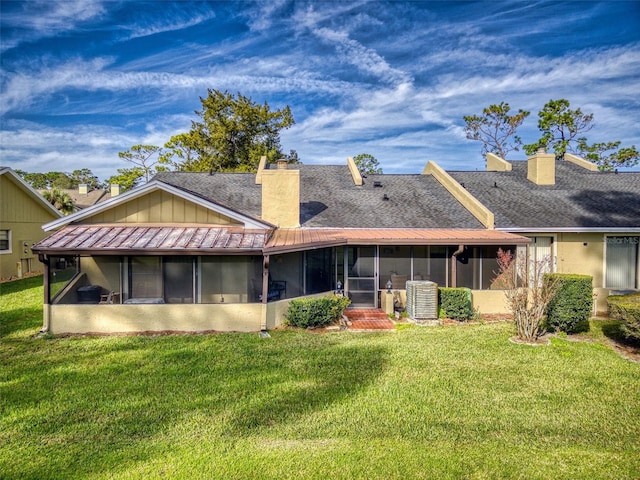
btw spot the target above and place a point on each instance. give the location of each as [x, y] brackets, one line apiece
[560, 127]
[181, 152]
[142, 157]
[60, 200]
[527, 291]
[86, 177]
[624, 157]
[495, 128]
[234, 132]
[367, 164]
[127, 178]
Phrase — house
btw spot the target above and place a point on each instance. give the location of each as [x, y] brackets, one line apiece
[227, 251]
[587, 221]
[22, 213]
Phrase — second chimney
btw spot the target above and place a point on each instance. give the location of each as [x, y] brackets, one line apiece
[541, 168]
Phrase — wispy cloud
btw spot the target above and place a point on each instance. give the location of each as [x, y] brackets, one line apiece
[36, 19]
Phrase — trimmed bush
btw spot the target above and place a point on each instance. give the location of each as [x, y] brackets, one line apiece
[570, 308]
[627, 309]
[316, 312]
[455, 303]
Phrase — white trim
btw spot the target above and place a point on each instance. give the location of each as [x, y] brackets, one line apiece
[249, 222]
[30, 190]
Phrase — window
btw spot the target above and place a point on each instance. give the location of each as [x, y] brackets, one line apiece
[623, 262]
[5, 241]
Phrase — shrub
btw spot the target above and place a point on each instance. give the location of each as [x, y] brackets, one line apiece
[627, 309]
[455, 303]
[316, 312]
[570, 308]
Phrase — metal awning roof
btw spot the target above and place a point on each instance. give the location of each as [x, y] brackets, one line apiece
[289, 240]
[123, 239]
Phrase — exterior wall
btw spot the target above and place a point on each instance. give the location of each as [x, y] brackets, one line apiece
[23, 216]
[159, 207]
[583, 253]
[103, 271]
[489, 301]
[154, 318]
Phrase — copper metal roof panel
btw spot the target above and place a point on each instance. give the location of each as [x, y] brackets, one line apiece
[146, 239]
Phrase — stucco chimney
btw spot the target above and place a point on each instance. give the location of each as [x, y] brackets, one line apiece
[541, 168]
[83, 189]
[281, 197]
[115, 189]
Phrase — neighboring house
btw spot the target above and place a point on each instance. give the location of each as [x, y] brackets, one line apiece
[587, 221]
[195, 251]
[226, 251]
[22, 213]
[83, 197]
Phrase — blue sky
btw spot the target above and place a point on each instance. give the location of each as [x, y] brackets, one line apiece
[84, 79]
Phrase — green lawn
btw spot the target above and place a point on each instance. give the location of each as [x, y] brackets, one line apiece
[439, 402]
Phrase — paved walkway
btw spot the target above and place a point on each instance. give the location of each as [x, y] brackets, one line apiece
[368, 319]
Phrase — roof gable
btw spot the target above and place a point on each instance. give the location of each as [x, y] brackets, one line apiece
[117, 204]
[8, 174]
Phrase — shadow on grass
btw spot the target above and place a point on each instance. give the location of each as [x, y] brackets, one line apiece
[91, 405]
[613, 331]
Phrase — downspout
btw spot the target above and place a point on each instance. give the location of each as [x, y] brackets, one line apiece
[44, 259]
[454, 265]
[265, 292]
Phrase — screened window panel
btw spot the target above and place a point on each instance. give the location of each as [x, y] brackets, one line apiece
[146, 277]
[178, 279]
[394, 265]
[229, 279]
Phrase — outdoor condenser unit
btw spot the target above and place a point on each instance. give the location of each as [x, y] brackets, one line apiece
[422, 300]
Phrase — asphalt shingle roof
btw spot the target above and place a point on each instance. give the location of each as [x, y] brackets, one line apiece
[580, 198]
[329, 198]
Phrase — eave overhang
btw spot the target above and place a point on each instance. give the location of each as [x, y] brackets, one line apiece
[291, 240]
[124, 239]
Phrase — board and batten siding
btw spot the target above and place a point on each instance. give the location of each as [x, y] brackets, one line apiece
[159, 207]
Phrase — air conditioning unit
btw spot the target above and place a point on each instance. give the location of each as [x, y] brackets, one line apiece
[422, 300]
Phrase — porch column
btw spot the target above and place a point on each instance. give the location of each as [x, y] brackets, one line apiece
[44, 259]
[265, 291]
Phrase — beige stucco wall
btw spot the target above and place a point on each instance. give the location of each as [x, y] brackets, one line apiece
[489, 301]
[159, 207]
[154, 318]
[281, 197]
[583, 253]
[23, 216]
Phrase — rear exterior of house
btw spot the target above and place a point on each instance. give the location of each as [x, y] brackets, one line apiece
[587, 221]
[228, 251]
[22, 213]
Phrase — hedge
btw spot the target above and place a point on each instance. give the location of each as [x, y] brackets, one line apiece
[569, 310]
[316, 312]
[627, 309]
[455, 303]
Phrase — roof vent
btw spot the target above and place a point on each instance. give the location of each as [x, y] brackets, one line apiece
[385, 197]
[377, 184]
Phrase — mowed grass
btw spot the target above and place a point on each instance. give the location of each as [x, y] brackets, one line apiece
[442, 402]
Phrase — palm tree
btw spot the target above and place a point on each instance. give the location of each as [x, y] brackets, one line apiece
[61, 200]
